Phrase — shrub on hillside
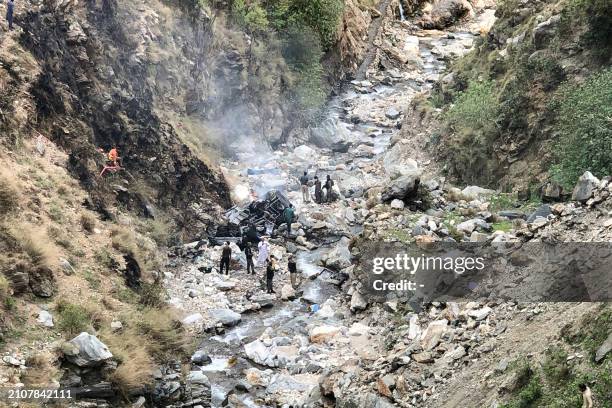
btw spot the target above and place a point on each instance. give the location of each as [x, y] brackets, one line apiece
[474, 108]
[584, 115]
[72, 319]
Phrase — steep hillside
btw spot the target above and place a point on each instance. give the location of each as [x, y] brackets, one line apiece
[510, 115]
[173, 85]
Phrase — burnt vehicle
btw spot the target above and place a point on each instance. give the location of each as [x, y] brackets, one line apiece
[249, 223]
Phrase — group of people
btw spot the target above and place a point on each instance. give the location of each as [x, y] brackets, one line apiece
[264, 258]
[320, 198]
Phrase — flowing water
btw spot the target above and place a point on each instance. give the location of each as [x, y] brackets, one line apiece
[286, 318]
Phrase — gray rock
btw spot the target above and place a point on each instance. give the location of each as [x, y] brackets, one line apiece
[604, 349]
[42, 282]
[402, 188]
[480, 314]
[397, 204]
[87, 351]
[200, 358]
[45, 318]
[358, 302]
[543, 211]
[585, 187]
[339, 257]
[470, 226]
[512, 215]
[198, 377]
[392, 113]
[227, 317]
[551, 191]
[193, 319]
[140, 402]
[475, 192]
[544, 31]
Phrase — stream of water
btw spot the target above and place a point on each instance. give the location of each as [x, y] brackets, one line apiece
[288, 318]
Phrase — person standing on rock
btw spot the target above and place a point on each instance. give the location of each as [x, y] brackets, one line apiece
[318, 191]
[248, 253]
[10, 7]
[270, 270]
[264, 250]
[329, 189]
[305, 189]
[226, 256]
[292, 266]
[288, 215]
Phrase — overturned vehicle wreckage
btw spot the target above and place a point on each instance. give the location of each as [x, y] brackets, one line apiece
[248, 223]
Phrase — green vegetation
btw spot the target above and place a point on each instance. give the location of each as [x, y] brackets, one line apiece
[515, 101]
[475, 108]
[502, 201]
[554, 383]
[72, 319]
[504, 226]
[152, 295]
[300, 31]
[585, 131]
[596, 16]
[92, 279]
[104, 258]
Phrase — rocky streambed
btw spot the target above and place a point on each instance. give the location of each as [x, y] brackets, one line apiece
[273, 350]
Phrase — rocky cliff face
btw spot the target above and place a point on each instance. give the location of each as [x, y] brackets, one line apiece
[533, 51]
[94, 90]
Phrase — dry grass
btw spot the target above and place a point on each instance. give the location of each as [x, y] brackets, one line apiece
[162, 332]
[144, 250]
[9, 194]
[160, 230]
[124, 240]
[88, 222]
[36, 244]
[40, 370]
[135, 363]
[148, 336]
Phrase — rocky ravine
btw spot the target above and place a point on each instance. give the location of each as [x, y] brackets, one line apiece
[259, 350]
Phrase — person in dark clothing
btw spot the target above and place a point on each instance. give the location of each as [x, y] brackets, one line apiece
[292, 266]
[305, 189]
[10, 7]
[288, 215]
[329, 189]
[270, 269]
[226, 256]
[248, 253]
[318, 191]
[252, 234]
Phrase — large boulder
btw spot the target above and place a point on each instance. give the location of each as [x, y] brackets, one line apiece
[227, 317]
[304, 152]
[587, 183]
[402, 188]
[42, 282]
[604, 349]
[86, 350]
[444, 13]
[339, 257]
[287, 292]
[475, 192]
[358, 302]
